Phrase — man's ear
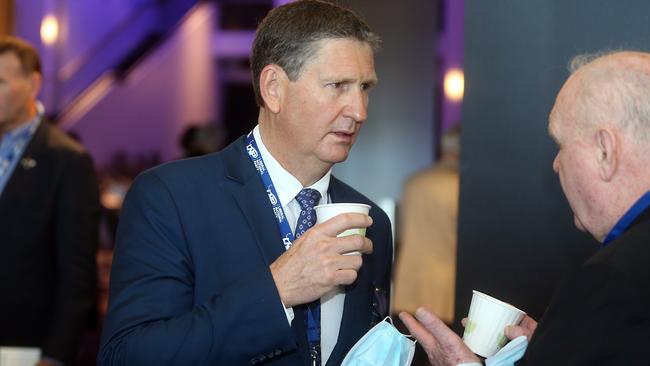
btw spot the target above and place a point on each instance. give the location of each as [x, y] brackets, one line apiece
[607, 153]
[272, 80]
[35, 83]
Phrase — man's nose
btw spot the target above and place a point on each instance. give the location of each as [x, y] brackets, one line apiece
[357, 106]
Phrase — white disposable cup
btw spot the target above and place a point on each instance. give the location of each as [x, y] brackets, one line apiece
[19, 356]
[486, 322]
[327, 211]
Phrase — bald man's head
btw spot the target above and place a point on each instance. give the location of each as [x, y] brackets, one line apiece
[601, 123]
[612, 88]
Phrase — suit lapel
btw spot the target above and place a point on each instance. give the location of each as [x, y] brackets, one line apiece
[249, 193]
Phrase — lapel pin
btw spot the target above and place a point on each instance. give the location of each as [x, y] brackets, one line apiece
[28, 163]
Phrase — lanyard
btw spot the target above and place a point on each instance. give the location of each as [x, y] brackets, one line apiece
[313, 317]
[256, 158]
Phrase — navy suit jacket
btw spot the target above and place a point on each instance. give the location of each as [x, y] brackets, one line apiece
[191, 284]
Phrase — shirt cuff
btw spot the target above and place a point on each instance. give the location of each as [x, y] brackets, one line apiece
[288, 311]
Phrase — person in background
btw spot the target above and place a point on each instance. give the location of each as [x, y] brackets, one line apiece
[425, 268]
[599, 316]
[206, 269]
[201, 139]
[49, 211]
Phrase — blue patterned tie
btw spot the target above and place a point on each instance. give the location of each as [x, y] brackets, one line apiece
[308, 198]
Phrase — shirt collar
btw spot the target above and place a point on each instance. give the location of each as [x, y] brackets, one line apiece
[286, 185]
[25, 129]
[19, 131]
[626, 220]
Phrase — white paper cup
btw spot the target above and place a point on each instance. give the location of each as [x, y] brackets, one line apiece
[19, 356]
[486, 322]
[327, 211]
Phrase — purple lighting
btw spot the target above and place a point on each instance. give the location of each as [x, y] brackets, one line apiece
[450, 50]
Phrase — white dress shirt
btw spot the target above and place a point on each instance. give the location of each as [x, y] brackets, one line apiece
[287, 188]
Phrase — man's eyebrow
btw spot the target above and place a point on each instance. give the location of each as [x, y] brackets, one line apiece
[365, 84]
[346, 80]
[349, 80]
[371, 82]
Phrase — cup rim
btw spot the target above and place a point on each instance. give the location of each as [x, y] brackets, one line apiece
[342, 204]
[497, 301]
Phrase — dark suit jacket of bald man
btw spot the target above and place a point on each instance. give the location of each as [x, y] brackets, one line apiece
[49, 212]
[601, 316]
[191, 283]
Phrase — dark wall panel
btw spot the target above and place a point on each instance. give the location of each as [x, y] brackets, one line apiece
[516, 234]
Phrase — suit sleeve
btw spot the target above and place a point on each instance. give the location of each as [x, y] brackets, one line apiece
[152, 317]
[597, 318]
[76, 236]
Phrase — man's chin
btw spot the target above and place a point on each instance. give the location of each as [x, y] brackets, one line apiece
[337, 154]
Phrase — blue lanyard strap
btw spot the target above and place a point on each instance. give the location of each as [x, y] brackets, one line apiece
[313, 314]
[258, 162]
[313, 320]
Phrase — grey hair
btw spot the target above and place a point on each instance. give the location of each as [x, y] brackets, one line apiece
[618, 91]
[578, 61]
[289, 36]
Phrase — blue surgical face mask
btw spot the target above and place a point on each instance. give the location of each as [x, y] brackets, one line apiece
[383, 345]
[511, 353]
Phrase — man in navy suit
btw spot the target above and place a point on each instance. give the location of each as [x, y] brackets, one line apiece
[205, 271]
[598, 316]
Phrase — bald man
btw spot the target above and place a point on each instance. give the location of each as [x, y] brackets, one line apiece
[599, 316]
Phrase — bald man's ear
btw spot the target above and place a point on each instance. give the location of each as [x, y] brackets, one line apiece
[608, 153]
[272, 80]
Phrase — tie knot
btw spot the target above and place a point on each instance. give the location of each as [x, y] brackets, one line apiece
[308, 198]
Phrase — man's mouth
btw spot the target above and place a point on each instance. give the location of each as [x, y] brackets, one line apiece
[344, 136]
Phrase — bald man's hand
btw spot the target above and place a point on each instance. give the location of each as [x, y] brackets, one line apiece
[525, 328]
[316, 263]
[443, 346]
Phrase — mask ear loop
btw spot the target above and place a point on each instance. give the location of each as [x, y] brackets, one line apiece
[407, 336]
[410, 337]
